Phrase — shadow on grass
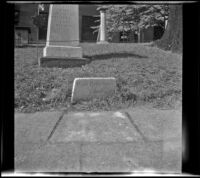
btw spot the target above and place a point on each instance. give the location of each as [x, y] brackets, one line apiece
[113, 55]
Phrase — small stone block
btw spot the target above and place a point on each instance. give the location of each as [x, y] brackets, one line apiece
[89, 88]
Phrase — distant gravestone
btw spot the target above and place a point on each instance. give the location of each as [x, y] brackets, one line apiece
[89, 88]
[62, 36]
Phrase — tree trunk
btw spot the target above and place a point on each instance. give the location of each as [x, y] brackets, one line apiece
[172, 37]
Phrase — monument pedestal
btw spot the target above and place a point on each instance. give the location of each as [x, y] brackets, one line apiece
[62, 57]
[102, 42]
[62, 51]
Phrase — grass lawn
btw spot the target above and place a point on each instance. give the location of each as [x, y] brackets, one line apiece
[145, 76]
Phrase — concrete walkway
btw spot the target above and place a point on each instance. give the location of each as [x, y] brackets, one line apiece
[121, 141]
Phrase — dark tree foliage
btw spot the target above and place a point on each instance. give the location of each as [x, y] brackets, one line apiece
[134, 17]
[41, 20]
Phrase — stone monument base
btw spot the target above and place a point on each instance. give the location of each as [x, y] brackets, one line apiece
[62, 51]
[102, 42]
[62, 57]
[63, 62]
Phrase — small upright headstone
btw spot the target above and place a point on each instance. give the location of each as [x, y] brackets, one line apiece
[89, 88]
[62, 36]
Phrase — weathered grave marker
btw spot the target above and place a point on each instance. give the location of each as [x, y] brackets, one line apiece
[62, 37]
[89, 88]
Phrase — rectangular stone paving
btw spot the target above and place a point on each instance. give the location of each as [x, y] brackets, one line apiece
[51, 158]
[121, 157]
[87, 127]
[100, 141]
[35, 127]
[106, 139]
[31, 130]
[158, 124]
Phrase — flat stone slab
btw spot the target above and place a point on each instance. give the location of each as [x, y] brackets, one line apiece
[33, 129]
[106, 127]
[111, 142]
[122, 157]
[90, 88]
[108, 142]
[62, 62]
[50, 158]
[158, 124]
[142, 140]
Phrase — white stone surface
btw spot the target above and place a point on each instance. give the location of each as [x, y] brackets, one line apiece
[79, 114]
[62, 51]
[89, 88]
[94, 114]
[63, 25]
[63, 32]
[103, 26]
[119, 114]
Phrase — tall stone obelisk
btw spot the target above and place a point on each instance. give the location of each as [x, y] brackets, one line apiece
[62, 36]
[103, 32]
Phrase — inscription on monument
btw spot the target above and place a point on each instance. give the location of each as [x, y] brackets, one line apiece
[89, 88]
[64, 25]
